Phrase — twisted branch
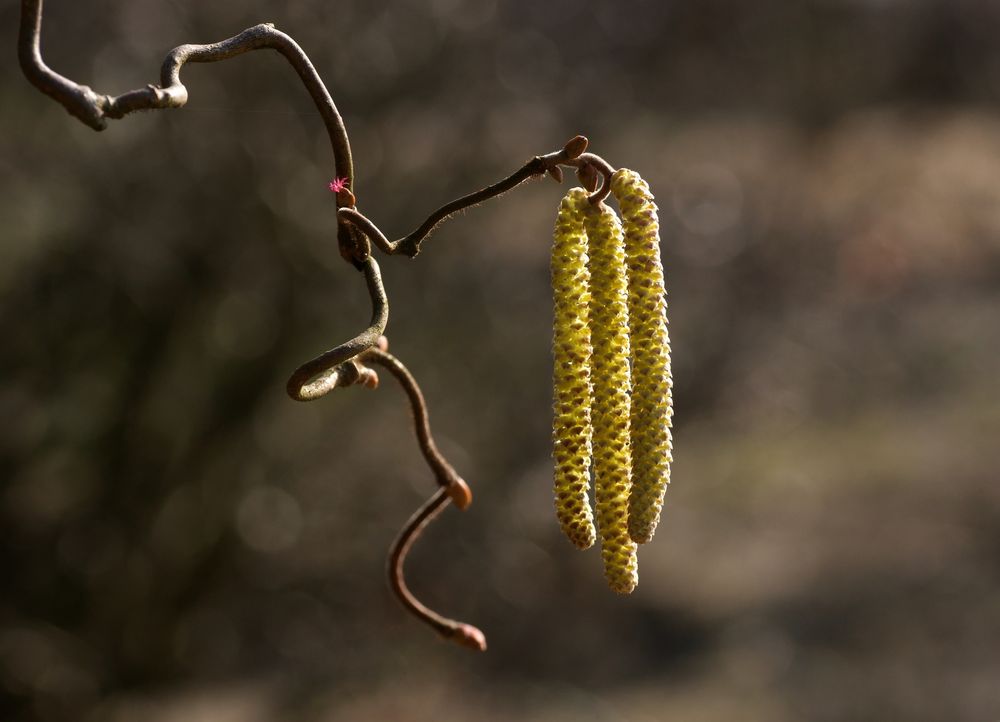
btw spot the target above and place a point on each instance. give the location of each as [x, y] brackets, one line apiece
[451, 487]
[319, 376]
[460, 632]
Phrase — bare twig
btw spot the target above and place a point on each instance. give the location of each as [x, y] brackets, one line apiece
[464, 634]
[410, 244]
[571, 155]
[322, 374]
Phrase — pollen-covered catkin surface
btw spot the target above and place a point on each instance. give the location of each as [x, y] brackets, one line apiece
[612, 391]
[571, 351]
[652, 404]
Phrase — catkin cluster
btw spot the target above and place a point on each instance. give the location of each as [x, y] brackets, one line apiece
[612, 384]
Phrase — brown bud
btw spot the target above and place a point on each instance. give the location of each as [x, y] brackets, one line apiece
[575, 147]
[350, 372]
[345, 198]
[368, 378]
[556, 173]
[469, 636]
[460, 493]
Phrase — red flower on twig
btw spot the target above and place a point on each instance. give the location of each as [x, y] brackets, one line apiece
[338, 184]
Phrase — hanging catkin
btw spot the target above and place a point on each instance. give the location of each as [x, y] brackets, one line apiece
[611, 394]
[652, 407]
[571, 351]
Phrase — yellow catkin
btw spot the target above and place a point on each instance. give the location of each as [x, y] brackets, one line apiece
[612, 391]
[571, 351]
[652, 407]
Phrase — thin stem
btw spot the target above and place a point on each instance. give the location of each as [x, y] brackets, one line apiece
[410, 244]
[445, 474]
[571, 155]
[321, 375]
[464, 634]
[79, 100]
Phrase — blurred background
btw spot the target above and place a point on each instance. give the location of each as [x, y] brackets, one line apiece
[183, 542]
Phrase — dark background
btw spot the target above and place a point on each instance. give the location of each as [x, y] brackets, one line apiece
[183, 542]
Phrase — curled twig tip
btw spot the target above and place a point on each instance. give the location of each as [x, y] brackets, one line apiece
[469, 636]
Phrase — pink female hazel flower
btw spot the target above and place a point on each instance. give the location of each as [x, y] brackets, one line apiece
[344, 195]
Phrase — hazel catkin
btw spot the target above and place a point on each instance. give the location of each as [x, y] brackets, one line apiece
[611, 394]
[652, 407]
[571, 351]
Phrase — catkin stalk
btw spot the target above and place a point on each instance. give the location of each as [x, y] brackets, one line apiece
[612, 391]
[571, 351]
[652, 405]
